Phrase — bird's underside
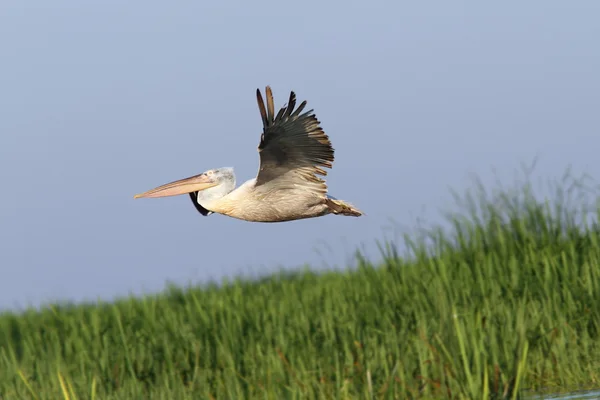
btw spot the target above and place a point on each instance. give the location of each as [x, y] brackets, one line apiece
[281, 205]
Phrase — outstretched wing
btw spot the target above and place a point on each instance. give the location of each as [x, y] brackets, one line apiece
[293, 147]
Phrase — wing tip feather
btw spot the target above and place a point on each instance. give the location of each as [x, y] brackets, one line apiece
[261, 108]
[270, 104]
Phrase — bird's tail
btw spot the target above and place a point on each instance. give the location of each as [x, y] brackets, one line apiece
[341, 207]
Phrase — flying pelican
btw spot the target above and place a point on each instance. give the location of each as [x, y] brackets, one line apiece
[293, 150]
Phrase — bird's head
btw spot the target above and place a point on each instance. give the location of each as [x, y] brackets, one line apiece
[204, 188]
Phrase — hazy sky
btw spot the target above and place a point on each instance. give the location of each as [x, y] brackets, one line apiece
[102, 100]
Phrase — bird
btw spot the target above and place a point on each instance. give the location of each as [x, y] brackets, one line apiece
[294, 151]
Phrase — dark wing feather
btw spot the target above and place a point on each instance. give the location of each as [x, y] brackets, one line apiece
[201, 210]
[293, 147]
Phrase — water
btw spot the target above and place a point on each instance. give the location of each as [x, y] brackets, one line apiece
[584, 394]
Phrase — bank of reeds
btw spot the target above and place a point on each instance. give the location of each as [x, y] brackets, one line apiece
[507, 299]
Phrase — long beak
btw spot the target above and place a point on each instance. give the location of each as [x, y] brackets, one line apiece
[182, 186]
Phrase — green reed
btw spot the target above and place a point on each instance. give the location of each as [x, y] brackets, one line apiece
[505, 300]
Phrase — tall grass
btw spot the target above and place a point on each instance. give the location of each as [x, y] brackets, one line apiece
[507, 299]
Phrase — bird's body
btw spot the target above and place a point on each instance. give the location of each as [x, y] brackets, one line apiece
[293, 151]
[256, 204]
[250, 203]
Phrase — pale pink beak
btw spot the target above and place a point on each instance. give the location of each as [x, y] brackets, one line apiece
[182, 186]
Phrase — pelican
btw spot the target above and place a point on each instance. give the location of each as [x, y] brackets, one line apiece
[293, 151]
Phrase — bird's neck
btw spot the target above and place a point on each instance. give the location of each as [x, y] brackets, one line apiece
[213, 196]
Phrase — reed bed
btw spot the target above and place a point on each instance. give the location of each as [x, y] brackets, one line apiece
[503, 302]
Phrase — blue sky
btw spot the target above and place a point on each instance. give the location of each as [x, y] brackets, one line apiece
[102, 100]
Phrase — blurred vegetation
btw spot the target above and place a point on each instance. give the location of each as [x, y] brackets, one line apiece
[506, 300]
